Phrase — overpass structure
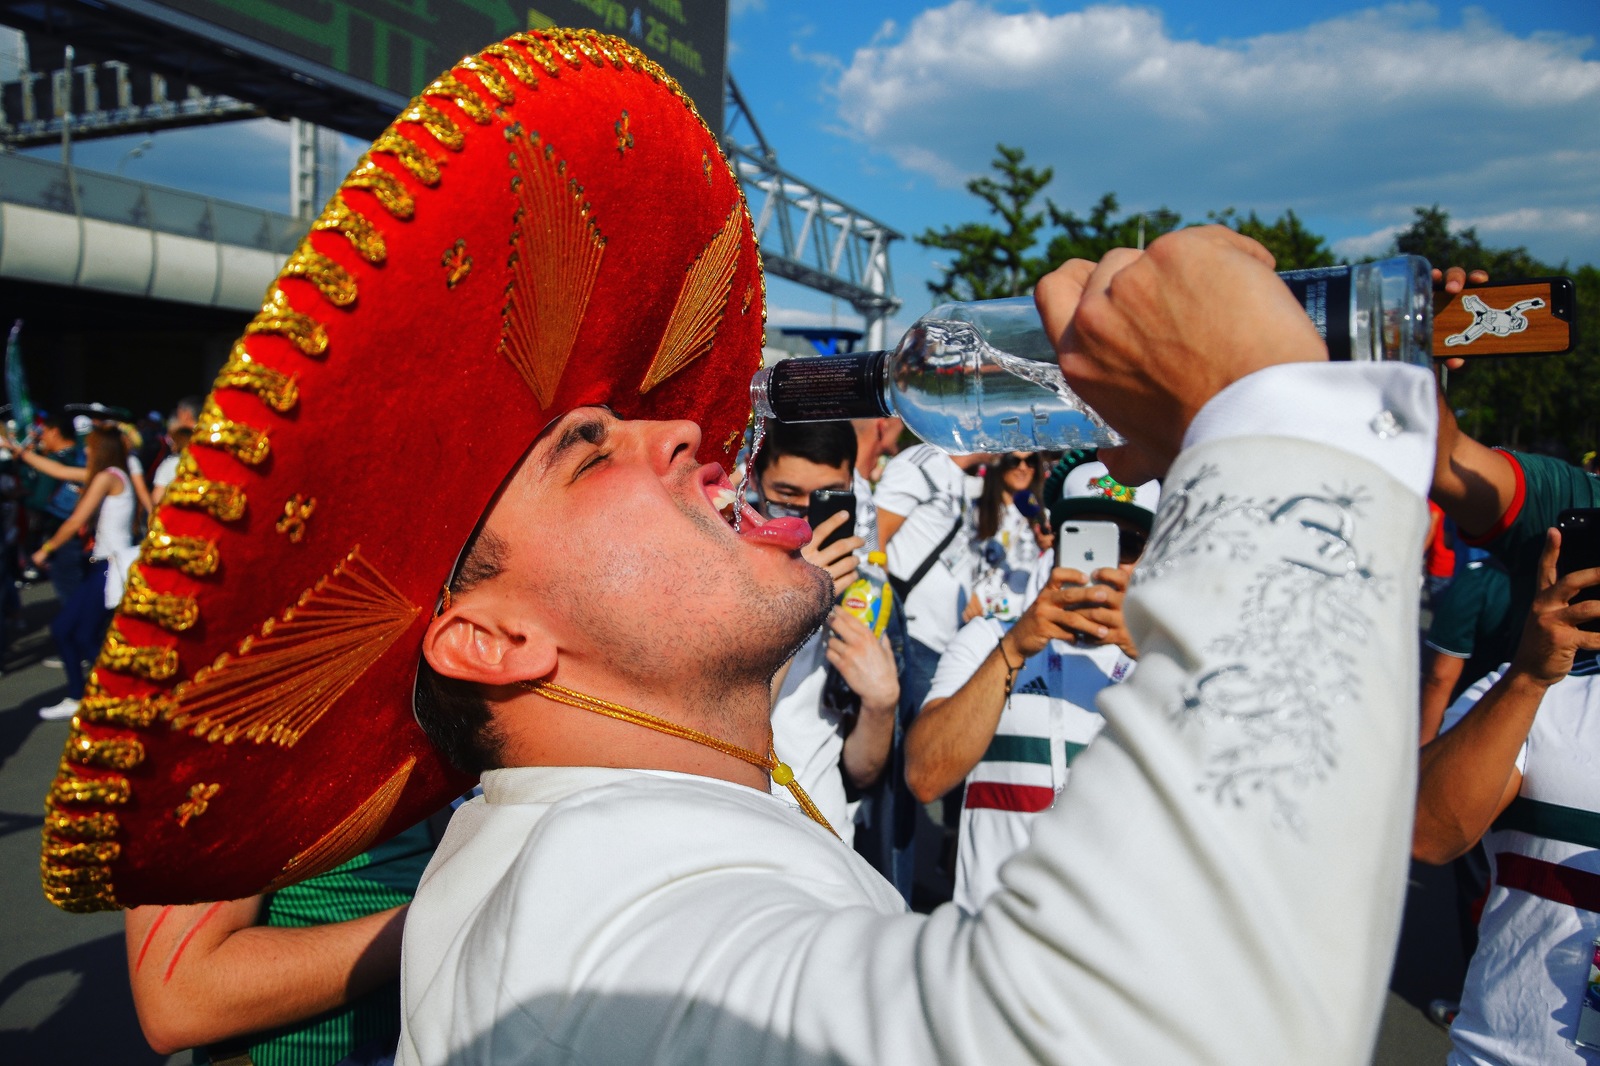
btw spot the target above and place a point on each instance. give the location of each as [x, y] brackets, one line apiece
[79, 229]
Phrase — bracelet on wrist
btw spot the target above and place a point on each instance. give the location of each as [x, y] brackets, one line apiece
[1011, 671]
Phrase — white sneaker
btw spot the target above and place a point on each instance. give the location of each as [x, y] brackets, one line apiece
[53, 663]
[65, 709]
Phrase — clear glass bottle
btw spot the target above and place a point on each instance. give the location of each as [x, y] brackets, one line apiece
[983, 377]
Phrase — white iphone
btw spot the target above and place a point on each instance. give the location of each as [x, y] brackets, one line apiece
[1086, 546]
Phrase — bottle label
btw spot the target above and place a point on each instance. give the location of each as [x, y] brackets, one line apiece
[826, 389]
[1589, 1012]
[1325, 294]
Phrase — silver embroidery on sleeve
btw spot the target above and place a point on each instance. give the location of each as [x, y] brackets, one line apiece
[1279, 676]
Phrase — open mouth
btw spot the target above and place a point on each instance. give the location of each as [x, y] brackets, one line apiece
[790, 534]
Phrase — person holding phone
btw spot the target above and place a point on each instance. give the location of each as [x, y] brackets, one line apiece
[835, 751]
[1513, 767]
[1013, 702]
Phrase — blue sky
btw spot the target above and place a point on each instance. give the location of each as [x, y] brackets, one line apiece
[1350, 113]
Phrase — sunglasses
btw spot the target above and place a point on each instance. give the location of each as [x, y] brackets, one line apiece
[1011, 462]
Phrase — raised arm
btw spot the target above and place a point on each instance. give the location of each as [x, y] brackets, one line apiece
[52, 468]
[1469, 774]
[206, 972]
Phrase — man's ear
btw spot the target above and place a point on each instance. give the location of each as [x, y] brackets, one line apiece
[470, 643]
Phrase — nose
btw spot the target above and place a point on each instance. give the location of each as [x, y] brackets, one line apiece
[668, 443]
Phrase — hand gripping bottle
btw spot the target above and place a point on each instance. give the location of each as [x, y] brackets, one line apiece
[869, 598]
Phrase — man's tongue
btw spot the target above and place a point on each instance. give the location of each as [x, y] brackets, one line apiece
[790, 534]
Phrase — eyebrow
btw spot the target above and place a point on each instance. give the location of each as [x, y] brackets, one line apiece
[588, 429]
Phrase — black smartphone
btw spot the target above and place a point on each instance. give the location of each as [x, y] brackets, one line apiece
[825, 503]
[1580, 550]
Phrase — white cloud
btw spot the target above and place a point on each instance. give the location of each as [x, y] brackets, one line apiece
[739, 7]
[1353, 121]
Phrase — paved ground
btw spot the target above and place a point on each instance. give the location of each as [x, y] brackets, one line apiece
[63, 977]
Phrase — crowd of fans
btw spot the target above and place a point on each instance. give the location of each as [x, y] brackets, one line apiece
[977, 695]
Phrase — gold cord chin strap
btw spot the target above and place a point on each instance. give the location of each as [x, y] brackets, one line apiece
[769, 762]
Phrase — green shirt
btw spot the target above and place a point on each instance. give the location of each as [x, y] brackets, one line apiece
[373, 881]
[1545, 488]
[1472, 620]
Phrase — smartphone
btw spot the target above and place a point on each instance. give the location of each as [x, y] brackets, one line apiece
[825, 503]
[1529, 316]
[1086, 546]
[1580, 550]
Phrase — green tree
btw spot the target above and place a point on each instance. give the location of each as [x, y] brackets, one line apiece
[992, 261]
[1093, 237]
[1291, 244]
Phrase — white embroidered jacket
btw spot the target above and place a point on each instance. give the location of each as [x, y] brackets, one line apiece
[1221, 881]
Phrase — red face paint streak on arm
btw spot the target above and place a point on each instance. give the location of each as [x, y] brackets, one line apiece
[184, 943]
[149, 936]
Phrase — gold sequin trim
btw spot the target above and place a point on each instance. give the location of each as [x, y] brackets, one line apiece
[153, 662]
[171, 611]
[438, 124]
[539, 52]
[383, 185]
[216, 430]
[332, 280]
[68, 789]
[697, 314]
[100, 851]
[199, 801]
[515, 62]
[101, 825]
[489, 76]
[351, 836]
[193, 490]
[296, 510]
[194, 556]
[277, 317]
[448, 85]
[244, 372]
[285, 679]
[422, 166]
[339, 217]
[130, 712]
[555, 258]
[108, 753]
[80, 899]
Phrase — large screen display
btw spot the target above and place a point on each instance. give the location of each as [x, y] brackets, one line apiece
[403, 46]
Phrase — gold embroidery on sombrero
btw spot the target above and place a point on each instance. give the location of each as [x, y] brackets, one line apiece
[412, 156]
[155, 662]
[286, 678]
[192, 490]
[515, 62]
[489, 77]
[131, 712]
[555, 257]
[624, 134]
[69, 789]
[99, 851]
[438, 124]
[539, 52]
[456, 262]
[697, 314]
[351, 836]
[383, 185]
[453, 88]
[277, 317]
[245, 372]
[108, 753]
[77, 889]
[194, 556]
[199, 801]
[339, 217]
[296, 510]
[335, 283]
[216, 430]
[170, 610]
[99, 826]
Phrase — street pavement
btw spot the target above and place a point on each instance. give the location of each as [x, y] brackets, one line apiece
[63, 977]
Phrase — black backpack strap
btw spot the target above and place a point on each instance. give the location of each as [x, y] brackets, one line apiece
[903, 586]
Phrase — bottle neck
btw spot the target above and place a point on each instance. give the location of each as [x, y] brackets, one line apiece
[827, 389]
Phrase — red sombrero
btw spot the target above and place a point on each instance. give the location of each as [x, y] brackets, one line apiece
[548, 225]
